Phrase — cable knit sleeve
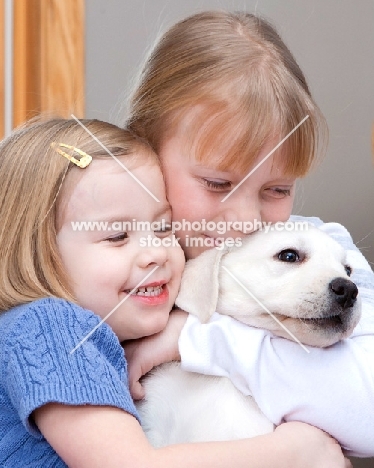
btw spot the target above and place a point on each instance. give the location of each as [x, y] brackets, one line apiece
[38, 367]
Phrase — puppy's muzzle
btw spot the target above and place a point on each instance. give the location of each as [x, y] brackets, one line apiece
[340, 315]
[344, 292]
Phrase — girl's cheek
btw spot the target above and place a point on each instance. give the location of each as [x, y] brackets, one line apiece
[178, 196]
[281, 214]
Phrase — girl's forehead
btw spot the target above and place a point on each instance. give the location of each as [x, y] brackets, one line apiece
[266, 169]
[211, 134]
[104, 186]
[191, 147]
[232, 134]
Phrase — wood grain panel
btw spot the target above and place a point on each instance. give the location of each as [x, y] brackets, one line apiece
[26, 58]
[1, 69]
[62, 57]
[48, 58]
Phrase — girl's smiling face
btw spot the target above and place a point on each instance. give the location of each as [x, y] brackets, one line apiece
[195, 192]
[104, 265]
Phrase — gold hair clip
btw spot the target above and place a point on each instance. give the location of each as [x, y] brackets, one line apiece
[82, 162]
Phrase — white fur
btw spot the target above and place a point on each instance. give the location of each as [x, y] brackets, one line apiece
[186, 407]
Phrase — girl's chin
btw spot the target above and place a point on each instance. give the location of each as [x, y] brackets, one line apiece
[152, 328]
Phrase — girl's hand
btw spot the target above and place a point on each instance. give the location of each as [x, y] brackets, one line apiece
[312, 447]
[144, 354]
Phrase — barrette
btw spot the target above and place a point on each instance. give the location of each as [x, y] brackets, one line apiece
[82, 161]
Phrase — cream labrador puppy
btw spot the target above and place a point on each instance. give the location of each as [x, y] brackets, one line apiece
[290, 283]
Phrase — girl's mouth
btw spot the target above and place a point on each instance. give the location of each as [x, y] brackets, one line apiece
[150, 295]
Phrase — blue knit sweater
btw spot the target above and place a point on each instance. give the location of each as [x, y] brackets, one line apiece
[36, 368]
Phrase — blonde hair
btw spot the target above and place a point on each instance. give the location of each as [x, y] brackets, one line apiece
[244, 83]
[32, 175]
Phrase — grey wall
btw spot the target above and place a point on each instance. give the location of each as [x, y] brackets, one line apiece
[333, 41]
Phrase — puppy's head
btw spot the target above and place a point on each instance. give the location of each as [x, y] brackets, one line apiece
[291, 283]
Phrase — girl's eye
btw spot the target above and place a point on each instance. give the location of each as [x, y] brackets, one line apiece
[165, 230]
[217, 184]
[118, 238]
[278, 192]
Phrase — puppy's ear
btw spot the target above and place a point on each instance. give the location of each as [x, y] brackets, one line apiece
[199, 289]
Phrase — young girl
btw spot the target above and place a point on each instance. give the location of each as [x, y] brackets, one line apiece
[217, 94]
[69, 265]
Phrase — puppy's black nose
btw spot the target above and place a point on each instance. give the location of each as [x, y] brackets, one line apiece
[345, 291]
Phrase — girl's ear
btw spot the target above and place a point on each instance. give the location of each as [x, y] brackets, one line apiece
[199, 289]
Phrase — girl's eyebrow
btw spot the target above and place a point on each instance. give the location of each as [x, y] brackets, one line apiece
[212, 169]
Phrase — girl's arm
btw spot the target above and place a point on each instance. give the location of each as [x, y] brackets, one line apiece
[144, 354]
[92, 436]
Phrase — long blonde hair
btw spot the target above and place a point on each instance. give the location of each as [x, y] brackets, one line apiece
[235, 69]
[32, 175]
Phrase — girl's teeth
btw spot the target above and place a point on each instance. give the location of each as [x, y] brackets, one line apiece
[149, 291]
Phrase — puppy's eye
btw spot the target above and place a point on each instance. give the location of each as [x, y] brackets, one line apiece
[348, 270]
[289, 255]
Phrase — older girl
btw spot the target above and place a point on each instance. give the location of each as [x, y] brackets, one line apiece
[218, 94]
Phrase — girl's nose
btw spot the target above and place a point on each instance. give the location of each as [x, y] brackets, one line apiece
[243, 211]
[152, 252]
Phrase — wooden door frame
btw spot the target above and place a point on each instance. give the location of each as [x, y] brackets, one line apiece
[2, 69]
[48, 58]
